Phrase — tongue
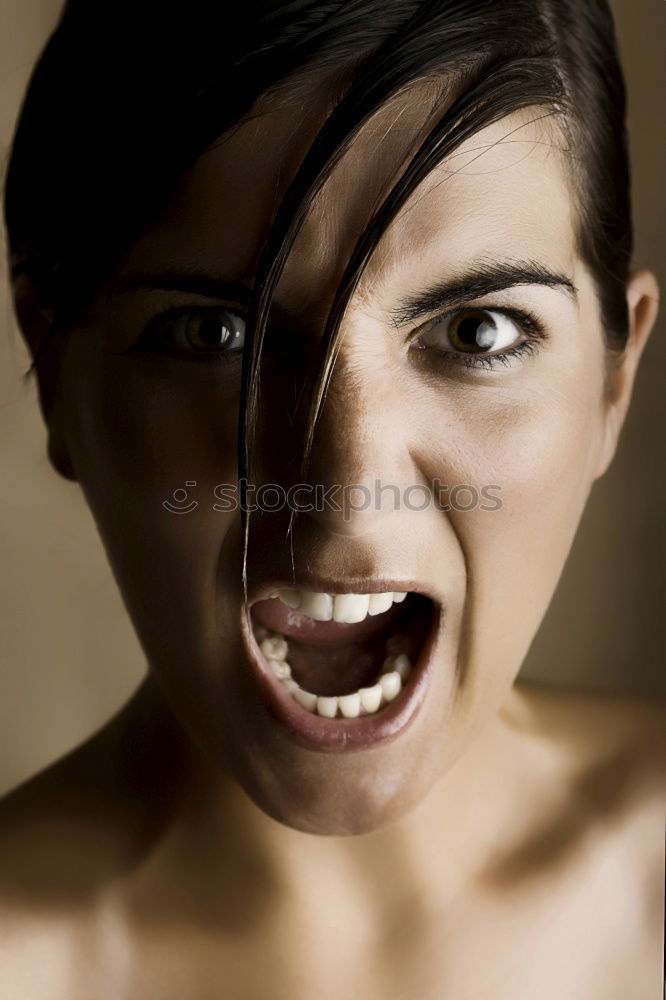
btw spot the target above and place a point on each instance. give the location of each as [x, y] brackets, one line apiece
[336, 668]
[330, 658]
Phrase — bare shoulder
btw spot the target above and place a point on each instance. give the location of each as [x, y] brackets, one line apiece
[593, 726]
[68, 836]
[83, 821]
[74, 826]
[607, 756]
[54, 854]
[48, 826]
[591, 793]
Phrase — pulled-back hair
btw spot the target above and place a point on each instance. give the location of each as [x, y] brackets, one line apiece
[128, 94]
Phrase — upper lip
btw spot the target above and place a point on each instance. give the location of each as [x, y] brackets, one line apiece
[351, 585]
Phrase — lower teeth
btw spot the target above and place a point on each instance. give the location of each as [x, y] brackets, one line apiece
[366, 701]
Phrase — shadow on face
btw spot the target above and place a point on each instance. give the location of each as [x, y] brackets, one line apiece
[471, 364]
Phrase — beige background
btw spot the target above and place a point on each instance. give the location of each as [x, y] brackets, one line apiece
[69, 656]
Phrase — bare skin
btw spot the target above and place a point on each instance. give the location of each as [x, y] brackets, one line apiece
[508, 842]
[532, 869]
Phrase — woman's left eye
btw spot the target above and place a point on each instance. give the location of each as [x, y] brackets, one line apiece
[477, 333]
[212, 334]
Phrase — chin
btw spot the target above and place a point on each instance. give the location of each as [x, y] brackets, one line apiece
[339, 807]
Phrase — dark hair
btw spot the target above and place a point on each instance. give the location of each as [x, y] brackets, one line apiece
[127, 95]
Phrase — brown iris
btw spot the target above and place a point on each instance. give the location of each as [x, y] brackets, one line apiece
[472, 331]
[211, 332]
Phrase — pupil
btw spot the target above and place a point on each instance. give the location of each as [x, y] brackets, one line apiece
[213, 332]
[474, 332]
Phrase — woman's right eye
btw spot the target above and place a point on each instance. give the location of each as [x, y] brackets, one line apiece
[202, 335]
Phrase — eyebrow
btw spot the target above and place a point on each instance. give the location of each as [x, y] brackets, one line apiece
[476, 283]
[195, 282]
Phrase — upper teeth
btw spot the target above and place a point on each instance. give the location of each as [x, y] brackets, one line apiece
[347, 608]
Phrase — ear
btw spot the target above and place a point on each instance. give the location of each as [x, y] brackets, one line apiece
[36, 324]
[642, 306]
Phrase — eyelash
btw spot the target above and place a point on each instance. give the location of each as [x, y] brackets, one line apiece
[489, 361]
[530, 324]
[150, 338]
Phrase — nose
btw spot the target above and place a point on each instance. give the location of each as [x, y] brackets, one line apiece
[360, 463]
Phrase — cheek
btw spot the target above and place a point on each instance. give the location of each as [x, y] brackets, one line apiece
[536, 446]
[136, 443]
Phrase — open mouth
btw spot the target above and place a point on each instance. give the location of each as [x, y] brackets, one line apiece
[351, 665]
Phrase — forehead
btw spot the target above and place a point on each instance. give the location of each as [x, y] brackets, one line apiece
[504, 192]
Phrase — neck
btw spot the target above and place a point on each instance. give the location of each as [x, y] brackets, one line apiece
[204, 837]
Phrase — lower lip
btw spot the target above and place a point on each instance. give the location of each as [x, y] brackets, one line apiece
[314, 732]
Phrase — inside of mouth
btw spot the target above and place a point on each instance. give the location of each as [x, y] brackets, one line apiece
[340, 667]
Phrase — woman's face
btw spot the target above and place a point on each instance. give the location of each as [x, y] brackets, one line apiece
[409, 404]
